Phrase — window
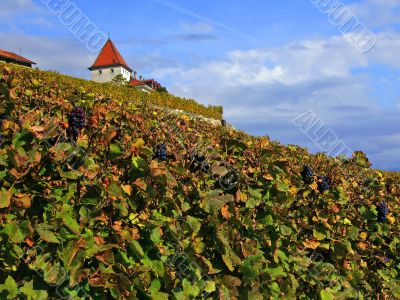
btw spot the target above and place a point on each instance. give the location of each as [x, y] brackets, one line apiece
[112, 70]
[100, 72]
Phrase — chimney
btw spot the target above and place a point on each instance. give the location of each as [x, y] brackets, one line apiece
[135, 74]
[140, 77]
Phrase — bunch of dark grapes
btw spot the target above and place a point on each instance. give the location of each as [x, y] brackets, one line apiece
[324, 184]
[198, 162]
[2, 118]
[383, 211]
[307, 175]
[76, 121]
[161, 152]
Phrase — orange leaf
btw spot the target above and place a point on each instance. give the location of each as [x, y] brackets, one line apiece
[29, 242]
[225, 212]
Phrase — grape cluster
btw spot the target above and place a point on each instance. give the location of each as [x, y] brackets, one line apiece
[2, 118]
[199, 163]
[76, 121]
[324, 184]
[307, 175]
[161, 152]
[383, 211]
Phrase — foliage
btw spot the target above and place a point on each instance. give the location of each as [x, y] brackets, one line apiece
[119, 80]
[102, 218]
[162, 89]
[67, 86]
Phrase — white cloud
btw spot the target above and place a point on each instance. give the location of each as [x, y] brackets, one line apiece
[65, 55]
[9, 8]
[377, 13]
[263, 90]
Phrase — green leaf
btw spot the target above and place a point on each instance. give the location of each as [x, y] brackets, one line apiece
[11, 287]
[72, 175]
[352, 232]
[210, 287]
[45, 234]
[115, 151]
[115, 190]
[326, 295]
[194, 223]
[31, 294]
[16, 232]
[137, 250]
[155, 235]
[5, 198]
[319, 235]
[213, 201]
[285, 230]
[361, 159]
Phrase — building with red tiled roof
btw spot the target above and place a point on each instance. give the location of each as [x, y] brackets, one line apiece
[110, 63]
[10, 57]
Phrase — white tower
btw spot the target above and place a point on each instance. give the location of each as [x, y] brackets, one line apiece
[109, 64]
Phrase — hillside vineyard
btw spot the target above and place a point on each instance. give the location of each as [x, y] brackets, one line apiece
[104, 196]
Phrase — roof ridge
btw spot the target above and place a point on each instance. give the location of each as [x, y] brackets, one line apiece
[16, 57]
[109, 56]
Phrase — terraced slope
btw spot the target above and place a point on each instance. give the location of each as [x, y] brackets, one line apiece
[92, 206]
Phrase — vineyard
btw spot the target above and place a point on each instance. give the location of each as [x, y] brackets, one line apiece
[103, 197]
[66, 86]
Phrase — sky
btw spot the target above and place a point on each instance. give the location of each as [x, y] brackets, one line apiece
[267, 62]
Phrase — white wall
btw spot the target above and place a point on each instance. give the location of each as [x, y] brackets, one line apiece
[107, 75]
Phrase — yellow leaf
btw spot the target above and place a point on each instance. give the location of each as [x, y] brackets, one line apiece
[127, 189]
[311, 244]
[391, 219]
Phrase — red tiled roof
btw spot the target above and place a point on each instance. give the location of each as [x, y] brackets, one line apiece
[152, 81]
[15, 57]
[135, 82]
[109, 56]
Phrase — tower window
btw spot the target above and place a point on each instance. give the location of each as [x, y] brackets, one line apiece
[100, 72]
[112, 70]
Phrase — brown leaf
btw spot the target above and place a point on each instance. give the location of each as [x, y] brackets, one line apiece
[140, 184]
[103, 217]
[335, 208]
[238, 195]
[20, 160]
[117, 226]
[155, 170]
[38, 131]
[134, 233]
[106, 257]
[22, 200]
[99, 240]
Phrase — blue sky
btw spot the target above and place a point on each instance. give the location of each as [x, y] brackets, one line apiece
[266, 61]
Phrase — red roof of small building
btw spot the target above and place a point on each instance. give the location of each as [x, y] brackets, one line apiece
[15, 57]
[135, 82]
[109, 56]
